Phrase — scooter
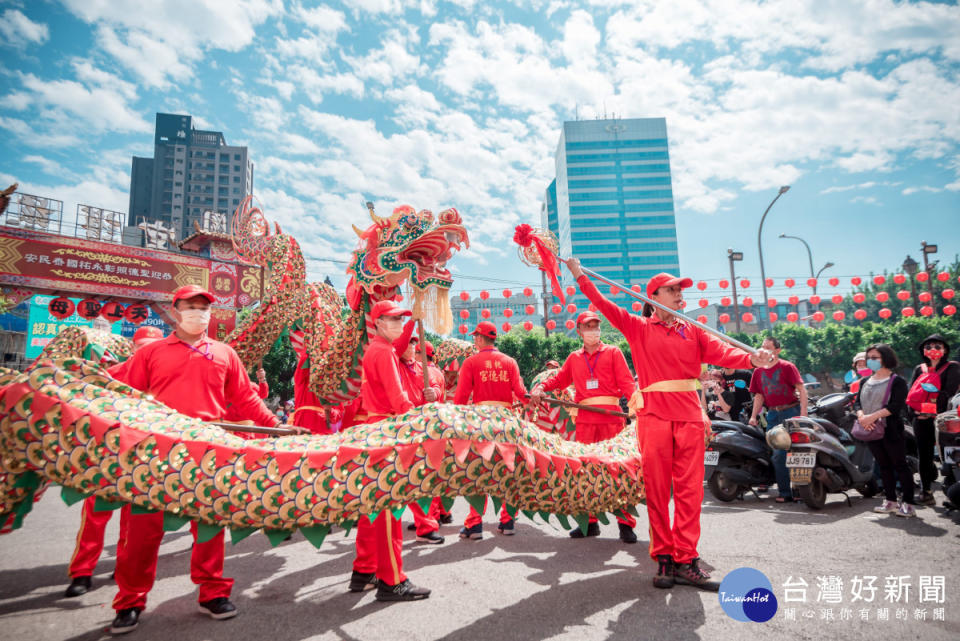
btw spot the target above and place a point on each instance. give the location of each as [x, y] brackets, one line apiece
[736, 460]
[948, 438]
[824, 458]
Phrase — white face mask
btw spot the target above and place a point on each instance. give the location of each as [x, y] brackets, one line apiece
[390, 329]
[194, 321]
[590, 336]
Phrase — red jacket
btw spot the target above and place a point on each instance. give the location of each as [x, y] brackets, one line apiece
[381, 388]
[490, 375]
[199, 381]
[666, 351]
[610, 371]
[411, 375]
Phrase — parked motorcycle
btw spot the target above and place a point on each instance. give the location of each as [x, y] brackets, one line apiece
[736, 460]
[948, 438]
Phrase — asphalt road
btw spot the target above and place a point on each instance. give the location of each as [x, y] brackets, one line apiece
[538, 584]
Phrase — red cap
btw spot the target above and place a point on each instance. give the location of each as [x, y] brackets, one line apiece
[586, 317]
[147, 334]
[485, 328]
[387, 308]
[189, 291]
[429, 347]
[663, 279]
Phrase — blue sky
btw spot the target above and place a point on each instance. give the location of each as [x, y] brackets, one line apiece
[441, 104]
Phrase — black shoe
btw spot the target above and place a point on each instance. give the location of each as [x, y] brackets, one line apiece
[507, 529]
[627, 535]
[445, 519]
[219, 608]
[691, 574]
[405, 591]
[926, 498]
[593, 529]
[430, 537]
[78, 585]
[412, 527]
[127, 621]
[665, 567]
[361, 581]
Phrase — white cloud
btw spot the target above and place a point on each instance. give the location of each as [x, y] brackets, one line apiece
[48, 165]
[19, 31]
[927, 188]
[299, 145]
[866, 200]
[392, 62]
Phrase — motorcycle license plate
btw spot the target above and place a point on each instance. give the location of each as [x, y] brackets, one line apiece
[801, 459]
[801, 475]
[711, 458]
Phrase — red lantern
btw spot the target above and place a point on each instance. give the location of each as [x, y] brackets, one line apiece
[859, 298]
[769, 282]
[571, 290]
[703, 302]
[811, 282]
[943, 277]
[484, 295]
[923, 277]
[860, 314]
[724, 318]
[949, 310]
[60, 307]
[506, 327]
[899, 279]
[112, 311]
[507, 293]
[856, 280]
[464, 296]
[724, 284]
[639, 289]
[925, 297]
[819, 316]
[926, 310]
[557, 308]
[530, 309]
[772, 302]
[527, 291]
[882, 297]
[508, 312]
[839, 315]
[773, 317]
[614, 291]
[903, 294]
[748, 318]
[789, 282]
[637, 306]
[794, 300]
[884, 313]
[793, 317]
[879, 279]
[136, 313]
[464, 314]
[571, 309]
[744, 283]
[463, 329]
[725, 301]
[814, 300]
[948, 293]
[834, 281]
[570, 324]
[701, 285]
[702, 319]
[527, 325]
[836, 299]
[592, 307]
[89, 308]
[485, 313]
[908, 311]
[551, 324]
[748, 302]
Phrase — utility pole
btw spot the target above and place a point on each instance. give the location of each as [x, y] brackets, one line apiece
[546, 316]
[734, 256]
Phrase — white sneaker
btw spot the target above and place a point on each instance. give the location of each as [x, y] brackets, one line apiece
[887, 507]
[906, 510]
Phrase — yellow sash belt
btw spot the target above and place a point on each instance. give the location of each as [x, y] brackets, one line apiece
[601, 400]
[680, 385]
[495, 403]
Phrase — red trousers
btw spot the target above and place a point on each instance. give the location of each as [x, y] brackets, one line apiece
[475, 519]
[436, 508]
[672, 458]
[137, 562]
[425, 521]
[593, 433]
[379, 545]
[90, 539]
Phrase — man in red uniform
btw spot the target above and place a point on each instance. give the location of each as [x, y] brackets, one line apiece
[667, 356]
[601, 378]
[437, 377]
[93, 524]
[380, 543]
[493, 378]
[198, 377]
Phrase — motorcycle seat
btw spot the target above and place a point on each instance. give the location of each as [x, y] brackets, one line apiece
[831, 429]
[754, 430]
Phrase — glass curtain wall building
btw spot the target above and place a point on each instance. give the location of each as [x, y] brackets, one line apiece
[611, 204]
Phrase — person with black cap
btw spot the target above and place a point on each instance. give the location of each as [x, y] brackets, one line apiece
[600, 376]
[934, 382]
[491, 378]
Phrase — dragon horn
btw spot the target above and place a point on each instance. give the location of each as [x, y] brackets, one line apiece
[377, 219]
[357, 231]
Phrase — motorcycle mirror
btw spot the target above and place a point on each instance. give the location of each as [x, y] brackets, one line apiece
[850, 377]
[739, 383]
[929, 387]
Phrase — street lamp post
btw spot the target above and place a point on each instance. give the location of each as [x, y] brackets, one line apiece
[910, 266]
[763, 273]
[734, 256]
[927, 250]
